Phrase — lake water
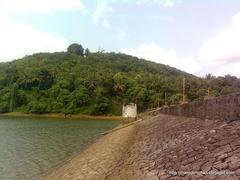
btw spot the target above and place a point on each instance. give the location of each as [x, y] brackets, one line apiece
[29, 147]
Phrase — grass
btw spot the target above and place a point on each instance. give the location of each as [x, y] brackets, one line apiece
[60, 115]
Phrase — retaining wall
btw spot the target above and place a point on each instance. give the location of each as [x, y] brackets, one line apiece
[225, 107]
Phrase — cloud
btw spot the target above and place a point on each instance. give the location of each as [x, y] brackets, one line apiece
[41, 6]
[162, 3]
[18, 39]
[152, 51]
[122, 35]
[106, 24]
[100, 13]
[220, 53]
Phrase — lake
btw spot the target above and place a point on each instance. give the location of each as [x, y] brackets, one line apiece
[30, 147]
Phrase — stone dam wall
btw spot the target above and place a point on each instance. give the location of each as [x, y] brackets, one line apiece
[225, 107]
[200, 141]
[165, 147]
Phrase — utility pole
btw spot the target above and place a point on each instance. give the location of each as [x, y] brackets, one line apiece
[208, 92]
[184, 83]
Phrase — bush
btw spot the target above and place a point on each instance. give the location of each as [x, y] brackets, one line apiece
[70, 108]
[37, 107]
[101, 107]
[4, 107]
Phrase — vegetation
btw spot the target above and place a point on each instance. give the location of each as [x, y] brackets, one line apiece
[79, 81]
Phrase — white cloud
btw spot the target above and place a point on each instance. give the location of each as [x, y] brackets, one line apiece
[40, 6]
[220, 53]
[162, 3]
[106, 24]
[122, 35]
[100, 13]
[151, 51]
[18, 39]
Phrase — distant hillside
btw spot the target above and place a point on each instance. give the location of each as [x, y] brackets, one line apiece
[97, 83]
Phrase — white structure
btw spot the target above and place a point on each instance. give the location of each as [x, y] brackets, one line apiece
[129, 110]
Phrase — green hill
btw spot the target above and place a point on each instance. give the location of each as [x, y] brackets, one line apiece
[95, 83]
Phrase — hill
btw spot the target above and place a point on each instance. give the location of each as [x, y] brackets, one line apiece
[97, 83]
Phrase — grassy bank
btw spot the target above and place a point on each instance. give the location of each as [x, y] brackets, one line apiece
[60, 115]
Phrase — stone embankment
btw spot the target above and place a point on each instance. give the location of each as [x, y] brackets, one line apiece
[171, 147]
[166, 146]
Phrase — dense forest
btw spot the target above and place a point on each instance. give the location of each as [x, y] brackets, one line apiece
[80, 81]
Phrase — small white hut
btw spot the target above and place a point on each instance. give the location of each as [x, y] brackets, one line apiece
[129, 110]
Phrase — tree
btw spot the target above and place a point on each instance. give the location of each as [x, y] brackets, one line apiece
[4, 107]
[76, 49]
[202, 93]
[87, 52]
[157, 99]
[101, 106]
[37, 107]
[175, 99]
[45, 79]
[81, 96]
[69, 109]
[140, 95]
[209, 76]
[99, 83]
[119, 83]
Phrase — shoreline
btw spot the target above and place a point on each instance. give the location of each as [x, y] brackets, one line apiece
[61, 116]
[100, 158]
[74, 155]
[143, 150]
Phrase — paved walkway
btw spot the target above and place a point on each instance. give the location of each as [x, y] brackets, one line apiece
[162, 147]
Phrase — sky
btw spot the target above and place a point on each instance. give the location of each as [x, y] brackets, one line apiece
[197, 36]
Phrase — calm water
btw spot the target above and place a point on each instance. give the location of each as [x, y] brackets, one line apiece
[30, 147]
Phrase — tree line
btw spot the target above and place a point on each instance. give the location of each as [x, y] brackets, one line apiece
[80, 81]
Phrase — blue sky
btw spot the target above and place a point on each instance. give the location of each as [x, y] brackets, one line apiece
[196, 36]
